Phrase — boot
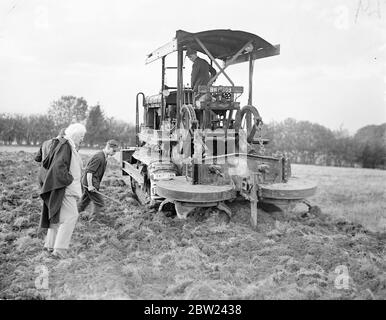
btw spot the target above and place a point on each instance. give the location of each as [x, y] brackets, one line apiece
[60, 254]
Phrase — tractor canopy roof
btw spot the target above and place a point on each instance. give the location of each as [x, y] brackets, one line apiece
[223, 44]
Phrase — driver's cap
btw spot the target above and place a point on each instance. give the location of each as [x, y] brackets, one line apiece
[190, 52]
[113, 144]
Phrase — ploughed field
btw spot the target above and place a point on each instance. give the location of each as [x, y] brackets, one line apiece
[338, 253]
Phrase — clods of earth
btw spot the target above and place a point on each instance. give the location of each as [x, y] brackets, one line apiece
[139, 253]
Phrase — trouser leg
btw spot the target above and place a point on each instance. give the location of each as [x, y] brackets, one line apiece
[51, 236]
[97, 201]
[84, 201]
[68, 217]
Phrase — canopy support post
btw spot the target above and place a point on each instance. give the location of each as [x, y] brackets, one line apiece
[251, 64]
[162, 90]
[179, 83]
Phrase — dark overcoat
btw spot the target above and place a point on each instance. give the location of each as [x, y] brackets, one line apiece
[58, 177]
[41, 156]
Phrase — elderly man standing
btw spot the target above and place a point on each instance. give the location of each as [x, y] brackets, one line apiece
[92, 178]
[61, 189]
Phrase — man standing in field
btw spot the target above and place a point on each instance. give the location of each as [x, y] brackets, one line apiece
[42, 154]
[92, 178]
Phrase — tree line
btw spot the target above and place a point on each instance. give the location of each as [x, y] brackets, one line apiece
[311, 143]
[304, 142]
[35, 128]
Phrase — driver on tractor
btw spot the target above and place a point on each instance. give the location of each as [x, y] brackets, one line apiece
[202, 71]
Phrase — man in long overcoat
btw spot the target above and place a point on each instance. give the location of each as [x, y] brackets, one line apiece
[61, 189]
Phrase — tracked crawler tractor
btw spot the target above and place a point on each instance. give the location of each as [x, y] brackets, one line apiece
[202, 148]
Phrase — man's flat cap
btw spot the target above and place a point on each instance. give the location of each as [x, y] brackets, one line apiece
[190, 52]
[113, 144]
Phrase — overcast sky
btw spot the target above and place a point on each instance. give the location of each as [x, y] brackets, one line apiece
[331, 70]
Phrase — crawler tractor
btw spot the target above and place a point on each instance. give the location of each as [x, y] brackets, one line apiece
[203, 149]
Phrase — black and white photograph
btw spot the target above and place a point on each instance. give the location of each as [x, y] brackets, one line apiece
[210, 152]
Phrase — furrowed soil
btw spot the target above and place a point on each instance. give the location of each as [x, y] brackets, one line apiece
[139, 253]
